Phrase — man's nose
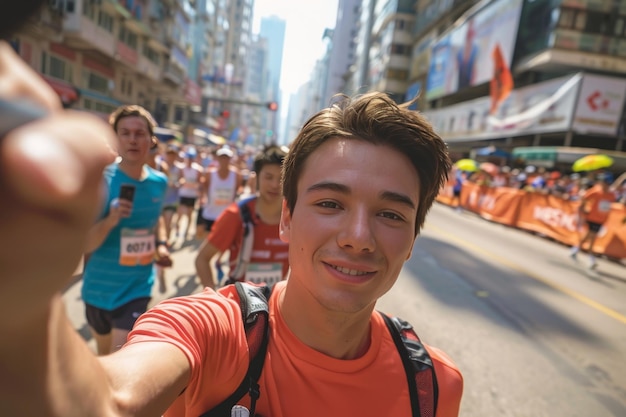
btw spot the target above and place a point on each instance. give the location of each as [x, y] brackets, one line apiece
[357, 231]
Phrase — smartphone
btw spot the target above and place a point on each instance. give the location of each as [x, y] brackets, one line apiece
[127, 192]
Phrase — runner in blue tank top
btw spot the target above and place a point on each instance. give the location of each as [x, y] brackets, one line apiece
[119, 275]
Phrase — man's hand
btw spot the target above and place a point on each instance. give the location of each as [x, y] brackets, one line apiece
[50, 179]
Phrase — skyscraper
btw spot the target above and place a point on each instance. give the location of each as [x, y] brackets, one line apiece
[273, 30]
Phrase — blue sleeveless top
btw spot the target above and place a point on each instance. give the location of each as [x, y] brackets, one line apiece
[121, 269]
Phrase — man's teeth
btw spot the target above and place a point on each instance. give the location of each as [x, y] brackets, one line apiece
[349, 271]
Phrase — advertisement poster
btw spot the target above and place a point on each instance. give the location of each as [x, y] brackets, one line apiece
[600, 105]
[539, 108]
[463, 57]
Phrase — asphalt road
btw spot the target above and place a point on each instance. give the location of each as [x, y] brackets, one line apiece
[534, 333]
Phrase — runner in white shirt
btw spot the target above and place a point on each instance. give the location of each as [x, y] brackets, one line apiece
[189, 182]
[218, 191]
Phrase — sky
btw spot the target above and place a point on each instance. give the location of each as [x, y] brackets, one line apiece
[304, 28]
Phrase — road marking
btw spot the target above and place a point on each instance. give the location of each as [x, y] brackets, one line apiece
[586, 300]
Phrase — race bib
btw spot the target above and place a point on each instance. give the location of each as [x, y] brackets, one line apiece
[223, 197]
[269, 273]
[604, 206]
[136, 247]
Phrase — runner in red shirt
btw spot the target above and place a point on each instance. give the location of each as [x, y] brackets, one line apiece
[266, 261]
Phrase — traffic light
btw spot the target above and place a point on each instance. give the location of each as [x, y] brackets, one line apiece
[272, 106]
[225, 114]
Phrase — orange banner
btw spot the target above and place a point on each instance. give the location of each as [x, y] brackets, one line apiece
[545, 215]
[550, 216]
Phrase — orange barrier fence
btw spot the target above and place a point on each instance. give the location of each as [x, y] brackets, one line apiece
[546, 215]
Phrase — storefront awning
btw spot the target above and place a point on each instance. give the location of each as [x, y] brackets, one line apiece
[100, 97]
[66, 91]
[536, 153]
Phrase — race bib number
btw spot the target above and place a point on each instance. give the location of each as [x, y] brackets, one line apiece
[269, 273]
[223, 197]
[604, 206]
[136, 247]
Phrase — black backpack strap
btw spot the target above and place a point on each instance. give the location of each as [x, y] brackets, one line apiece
[254, 302]
[418, 367]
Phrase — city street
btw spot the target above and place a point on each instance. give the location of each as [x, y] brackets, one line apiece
[534, 332]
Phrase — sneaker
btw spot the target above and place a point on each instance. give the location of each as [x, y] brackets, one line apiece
[574, 255]
[593, 266]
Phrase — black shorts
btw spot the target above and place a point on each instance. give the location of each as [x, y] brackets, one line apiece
[187, 201]
[201, 221]
[208, 224]
[124, 317]
[594, 227]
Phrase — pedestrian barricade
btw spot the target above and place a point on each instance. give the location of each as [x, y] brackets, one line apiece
[546, 215]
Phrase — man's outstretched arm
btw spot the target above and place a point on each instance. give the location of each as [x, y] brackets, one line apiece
[50, 174]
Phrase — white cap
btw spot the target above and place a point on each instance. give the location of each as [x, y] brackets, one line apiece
[225, 150]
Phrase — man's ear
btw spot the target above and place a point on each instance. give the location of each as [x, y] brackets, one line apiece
[408, 256]
[285, 223]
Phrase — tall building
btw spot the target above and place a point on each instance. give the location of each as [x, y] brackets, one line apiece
[256, 121]
[273, 30]
[390, 52]
[99, 54]
[566, 88]
[357, 78]
[344, 42]
[238, 42]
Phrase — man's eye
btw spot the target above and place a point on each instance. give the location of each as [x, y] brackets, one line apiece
[328, 204]
[391, 215]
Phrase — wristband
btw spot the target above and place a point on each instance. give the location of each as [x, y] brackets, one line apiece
[161, 243]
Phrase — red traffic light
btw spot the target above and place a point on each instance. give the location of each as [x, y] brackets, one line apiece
[272, 106]
[225, 114]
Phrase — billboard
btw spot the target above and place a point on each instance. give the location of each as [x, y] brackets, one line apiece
[538, 108]
[600, 105]
[463, 57]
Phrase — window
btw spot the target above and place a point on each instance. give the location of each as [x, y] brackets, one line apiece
[105, 21]
[566, 19]
[400, 49]
[55, 67]
[618, 29]
[179, 113]
[128, 37]
[151, 54]
[581, 20]
[89, 10]
[95, 82]
[597, 22]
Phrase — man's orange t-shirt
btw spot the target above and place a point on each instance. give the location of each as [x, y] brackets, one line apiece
[227, 232]
[597, 204]
[296, 380]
